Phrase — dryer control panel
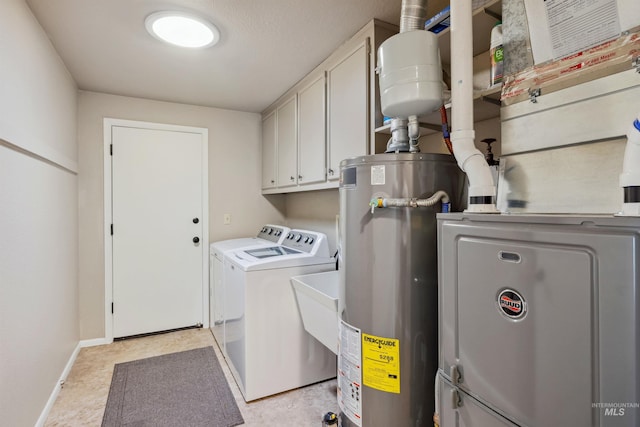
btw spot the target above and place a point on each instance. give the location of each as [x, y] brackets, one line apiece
[307, 241]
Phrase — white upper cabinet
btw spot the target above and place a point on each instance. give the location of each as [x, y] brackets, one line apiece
[312, 132]
[348, 108]
[269, 151]
[287, 143]
[326, 117]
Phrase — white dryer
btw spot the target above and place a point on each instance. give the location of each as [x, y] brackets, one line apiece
[267, 235]
[268, 349]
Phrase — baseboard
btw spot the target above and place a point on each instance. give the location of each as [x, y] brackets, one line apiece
[94, 342]
[65, 374]
[57, 387]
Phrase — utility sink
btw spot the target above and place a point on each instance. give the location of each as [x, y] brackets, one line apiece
[317, 296]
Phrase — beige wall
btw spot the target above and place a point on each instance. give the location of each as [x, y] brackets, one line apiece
[234, 181]
[315, 210]
[38, 217]
[564, 154]
[433, 142]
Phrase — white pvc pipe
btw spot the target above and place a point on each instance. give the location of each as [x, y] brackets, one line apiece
[413, 131]
[461, 65]
[469, 158]
[630, 176]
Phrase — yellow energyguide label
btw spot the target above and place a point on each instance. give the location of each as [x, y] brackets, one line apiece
[381, 363]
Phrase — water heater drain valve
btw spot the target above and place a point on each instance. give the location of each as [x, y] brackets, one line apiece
[329, 419]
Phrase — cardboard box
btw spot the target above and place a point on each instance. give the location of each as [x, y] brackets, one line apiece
[599, 61]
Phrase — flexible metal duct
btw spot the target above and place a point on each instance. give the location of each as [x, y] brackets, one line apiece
[413, 15]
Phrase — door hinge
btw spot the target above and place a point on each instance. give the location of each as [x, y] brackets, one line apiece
[456, 401]
[455, 374]
[111, 149]
[111, 308]
[112, 229]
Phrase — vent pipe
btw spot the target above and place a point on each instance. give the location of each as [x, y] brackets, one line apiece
[413, 15]
[630, 176]
[482, 190]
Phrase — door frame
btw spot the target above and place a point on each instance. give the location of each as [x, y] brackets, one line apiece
[108, 243]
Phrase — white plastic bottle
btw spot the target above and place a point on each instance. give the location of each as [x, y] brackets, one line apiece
[497, 56]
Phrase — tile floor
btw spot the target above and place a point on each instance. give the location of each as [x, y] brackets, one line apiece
[83, 397]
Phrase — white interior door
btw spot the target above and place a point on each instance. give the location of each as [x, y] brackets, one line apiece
[158, 242]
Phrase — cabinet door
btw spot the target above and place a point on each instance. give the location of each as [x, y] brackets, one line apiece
[348, 109]
[287, 144]
[311, 133]
[269, 151]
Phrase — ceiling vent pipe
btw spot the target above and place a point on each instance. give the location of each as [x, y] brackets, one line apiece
[413, 15]
[482, 190]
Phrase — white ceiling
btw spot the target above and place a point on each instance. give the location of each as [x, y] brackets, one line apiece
[266, 46]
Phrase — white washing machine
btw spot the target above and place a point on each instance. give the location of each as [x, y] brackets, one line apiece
[268, 349]
[267, 235]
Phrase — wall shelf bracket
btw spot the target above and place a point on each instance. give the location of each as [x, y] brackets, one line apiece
[491, 100]
[534, 94]
[492, 14]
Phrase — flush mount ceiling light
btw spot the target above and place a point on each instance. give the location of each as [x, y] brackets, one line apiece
[182, 29]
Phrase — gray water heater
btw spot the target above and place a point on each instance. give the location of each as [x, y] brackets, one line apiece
[388, 287]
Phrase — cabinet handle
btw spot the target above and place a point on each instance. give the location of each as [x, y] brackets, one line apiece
[272, 181]
[330, 171]
[300, 177]
[293, 179]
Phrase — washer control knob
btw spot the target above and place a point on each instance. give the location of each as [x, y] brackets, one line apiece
[298, 237]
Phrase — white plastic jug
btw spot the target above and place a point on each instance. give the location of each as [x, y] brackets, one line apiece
[497, 56]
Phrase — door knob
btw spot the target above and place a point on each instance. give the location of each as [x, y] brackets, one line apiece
[196, 220]
[196, 239]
